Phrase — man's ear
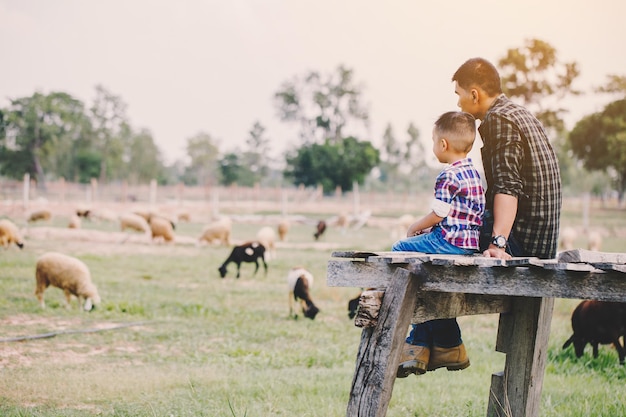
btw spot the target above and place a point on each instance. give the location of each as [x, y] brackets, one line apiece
[474, 93]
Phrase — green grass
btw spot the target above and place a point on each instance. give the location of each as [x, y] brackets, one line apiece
[226, 347]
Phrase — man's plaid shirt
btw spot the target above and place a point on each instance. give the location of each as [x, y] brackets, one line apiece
[519, 161]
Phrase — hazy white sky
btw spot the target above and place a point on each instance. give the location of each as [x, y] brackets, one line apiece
[187, 66]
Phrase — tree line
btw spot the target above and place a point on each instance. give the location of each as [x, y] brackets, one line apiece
[55, 135]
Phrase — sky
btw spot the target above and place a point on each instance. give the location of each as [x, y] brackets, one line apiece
[189, 66]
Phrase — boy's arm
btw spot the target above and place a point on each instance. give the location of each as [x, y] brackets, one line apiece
[428, 221]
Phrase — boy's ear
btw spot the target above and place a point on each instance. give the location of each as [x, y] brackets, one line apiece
[444, 143]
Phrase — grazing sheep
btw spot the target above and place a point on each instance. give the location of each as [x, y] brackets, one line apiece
[353, 306]
[283, 228]
[103, 214]
[135, 222]
[319, 229]
[566, 238]
[247, 252]
[594, 241]
[598, 322]
[83, 211]
[161, 229]
[9, 233]
[299, 281]
[266, 236]
[74, 222]
[67, 273]
[218, 230]
[42, 214]
[183, 216]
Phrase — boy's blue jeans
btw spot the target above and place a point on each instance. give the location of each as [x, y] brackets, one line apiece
[443, 333]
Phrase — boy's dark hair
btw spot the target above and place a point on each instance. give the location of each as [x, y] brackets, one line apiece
[479, 72]
[459, 127]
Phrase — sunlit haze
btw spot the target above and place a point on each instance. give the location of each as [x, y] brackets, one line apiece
[187, 66]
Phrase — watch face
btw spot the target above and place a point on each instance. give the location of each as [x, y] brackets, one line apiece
[499, 241]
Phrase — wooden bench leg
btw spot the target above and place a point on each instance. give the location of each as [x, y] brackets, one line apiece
[379, 352]
[523, 336]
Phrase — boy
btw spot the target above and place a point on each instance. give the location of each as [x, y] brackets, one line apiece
[451, 227]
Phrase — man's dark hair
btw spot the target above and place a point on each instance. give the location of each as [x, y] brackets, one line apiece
[481, 73]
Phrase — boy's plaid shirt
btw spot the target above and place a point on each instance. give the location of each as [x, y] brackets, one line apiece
[459, 185]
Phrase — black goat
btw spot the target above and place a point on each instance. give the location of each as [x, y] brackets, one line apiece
[598, 322]
[246, 252]
[299, 281]
[353, 306]
[319, 229]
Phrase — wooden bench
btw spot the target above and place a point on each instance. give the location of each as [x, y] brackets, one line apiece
[419, 287]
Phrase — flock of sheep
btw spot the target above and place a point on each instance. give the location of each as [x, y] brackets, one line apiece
[72, 276]
[593, 322]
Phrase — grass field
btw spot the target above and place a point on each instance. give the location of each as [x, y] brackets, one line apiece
[198, 345]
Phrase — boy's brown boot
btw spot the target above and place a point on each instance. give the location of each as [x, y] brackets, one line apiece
[413, 360]
[454, 358]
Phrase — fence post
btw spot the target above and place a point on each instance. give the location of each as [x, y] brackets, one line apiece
[153, 192]
[26, 190]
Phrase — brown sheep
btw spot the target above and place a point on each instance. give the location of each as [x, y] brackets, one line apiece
[67, 273]
[218, 230]
[37, 215]
[161, 229]
[283, 228]
[9, 233]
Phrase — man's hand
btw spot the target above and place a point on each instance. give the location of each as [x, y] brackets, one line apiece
[495, 252]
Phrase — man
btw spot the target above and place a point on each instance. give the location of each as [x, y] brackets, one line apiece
[523, 198]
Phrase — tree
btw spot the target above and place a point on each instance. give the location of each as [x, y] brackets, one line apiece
[324, 105]
[38, 130]
[599, 140]
[256, 156]
[332, 164]
[534, 74]
[391, 157]
[144, 158]
[108, 115]
[203, 154]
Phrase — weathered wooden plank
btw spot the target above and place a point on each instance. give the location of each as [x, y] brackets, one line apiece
[588, 256]
[521, 281]
[370, 302]
[379, 351]
[610, 267]
[528, 329]
[439, 305]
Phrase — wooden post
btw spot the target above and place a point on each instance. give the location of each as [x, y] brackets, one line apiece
[153, 192]
[523, 336]
[379, 352]
[26, 190]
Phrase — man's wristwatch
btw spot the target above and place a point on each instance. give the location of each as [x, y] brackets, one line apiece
[499, 241]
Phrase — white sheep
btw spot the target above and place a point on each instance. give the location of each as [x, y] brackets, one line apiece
[161, 228]
[283, 228]
[70, 275]
[9, 233]
[218, 230]
[567, 236]
[594, 241]
[74, 222]
[401, 226]
[134, 222]
[267, 237]
[43, 214]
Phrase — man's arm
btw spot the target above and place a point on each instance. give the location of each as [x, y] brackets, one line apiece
[504, 212]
